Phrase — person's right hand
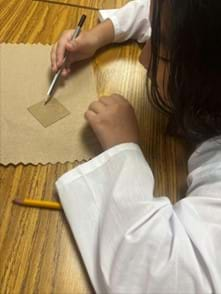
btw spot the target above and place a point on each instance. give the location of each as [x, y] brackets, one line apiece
[83, 47]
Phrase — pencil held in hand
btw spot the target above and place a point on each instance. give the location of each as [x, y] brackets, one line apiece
[57, 75]
[38, 203]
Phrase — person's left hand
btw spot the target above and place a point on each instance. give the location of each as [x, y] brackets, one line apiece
[113, 121]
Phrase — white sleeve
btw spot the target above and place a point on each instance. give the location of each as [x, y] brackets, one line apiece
[200, 211]
[130, 241]
[131, 21]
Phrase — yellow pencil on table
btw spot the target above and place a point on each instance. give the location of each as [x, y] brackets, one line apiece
[38, 203]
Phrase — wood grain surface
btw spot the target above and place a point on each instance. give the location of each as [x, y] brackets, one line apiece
[37, 251]
[91, 4]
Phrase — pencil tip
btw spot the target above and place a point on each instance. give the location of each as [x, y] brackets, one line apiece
[17, 201]
[47, 99]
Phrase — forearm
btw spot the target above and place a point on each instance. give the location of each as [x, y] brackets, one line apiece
[130, 21]
[103, 33]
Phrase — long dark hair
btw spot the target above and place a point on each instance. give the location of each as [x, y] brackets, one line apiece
[194, 52]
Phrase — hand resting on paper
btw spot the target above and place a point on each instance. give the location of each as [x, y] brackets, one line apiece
[113, 121]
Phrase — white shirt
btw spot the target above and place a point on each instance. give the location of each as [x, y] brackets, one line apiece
[131, 21]
[130, 241]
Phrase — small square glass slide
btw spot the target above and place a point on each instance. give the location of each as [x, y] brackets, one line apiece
[48, 114]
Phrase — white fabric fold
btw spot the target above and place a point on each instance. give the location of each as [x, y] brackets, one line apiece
[132, 242]
[130, 22]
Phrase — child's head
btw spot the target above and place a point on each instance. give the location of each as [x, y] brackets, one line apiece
[185, 64]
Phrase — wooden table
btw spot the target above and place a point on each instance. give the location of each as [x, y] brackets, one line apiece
[37, 251]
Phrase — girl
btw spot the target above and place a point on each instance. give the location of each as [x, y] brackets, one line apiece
[132, 242]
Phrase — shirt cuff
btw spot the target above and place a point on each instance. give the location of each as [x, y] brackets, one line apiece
[97, 162]
[110, 14]
[130, 21]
